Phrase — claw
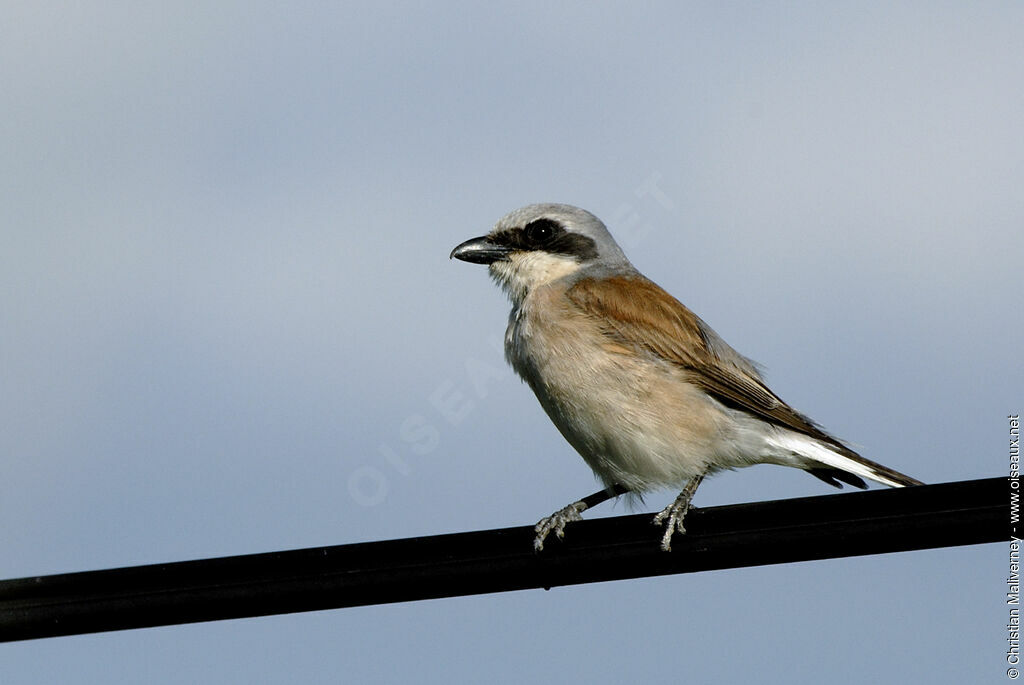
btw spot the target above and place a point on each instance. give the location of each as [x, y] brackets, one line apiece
[557, 522]
[674, 514]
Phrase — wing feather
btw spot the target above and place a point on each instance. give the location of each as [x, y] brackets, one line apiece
[637, 314]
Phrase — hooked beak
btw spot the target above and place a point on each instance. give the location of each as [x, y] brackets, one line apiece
[480, 251]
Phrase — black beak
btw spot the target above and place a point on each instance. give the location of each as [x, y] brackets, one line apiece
[480, 251]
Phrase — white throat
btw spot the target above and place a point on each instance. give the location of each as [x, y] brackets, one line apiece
[523, 271]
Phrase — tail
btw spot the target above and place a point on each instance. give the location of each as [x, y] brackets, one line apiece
[833, 463]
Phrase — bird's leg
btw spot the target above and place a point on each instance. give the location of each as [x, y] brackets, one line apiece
[672, 515]
[557, 521]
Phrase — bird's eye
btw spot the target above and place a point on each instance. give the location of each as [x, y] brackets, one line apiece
[540, 231]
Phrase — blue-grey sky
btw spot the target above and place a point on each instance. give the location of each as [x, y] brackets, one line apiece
[228, 321]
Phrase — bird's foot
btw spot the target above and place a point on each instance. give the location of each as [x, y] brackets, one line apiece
[673, 515]
[557, 522]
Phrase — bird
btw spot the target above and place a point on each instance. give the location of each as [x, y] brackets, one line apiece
[647, 393]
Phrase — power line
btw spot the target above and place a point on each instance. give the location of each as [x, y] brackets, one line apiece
[782, 531]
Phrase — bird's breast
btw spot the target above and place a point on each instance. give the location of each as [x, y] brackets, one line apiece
[634, 420]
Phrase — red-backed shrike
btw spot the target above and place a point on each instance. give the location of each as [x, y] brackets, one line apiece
[644, 390]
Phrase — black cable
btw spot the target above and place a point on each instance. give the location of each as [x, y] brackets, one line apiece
[873, 522]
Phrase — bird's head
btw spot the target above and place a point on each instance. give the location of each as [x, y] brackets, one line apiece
[538, 244]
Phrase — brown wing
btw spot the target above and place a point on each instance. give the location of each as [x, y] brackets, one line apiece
[638, 314]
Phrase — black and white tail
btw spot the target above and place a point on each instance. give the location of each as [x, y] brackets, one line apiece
[834, 462]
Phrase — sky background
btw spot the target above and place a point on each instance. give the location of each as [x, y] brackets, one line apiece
[228, 321]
